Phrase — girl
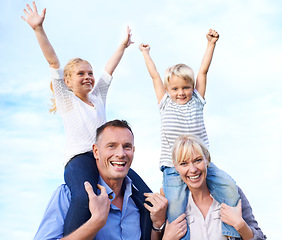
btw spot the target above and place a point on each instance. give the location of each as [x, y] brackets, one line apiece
[82, 107]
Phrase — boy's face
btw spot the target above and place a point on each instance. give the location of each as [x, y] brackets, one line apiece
[179, 90]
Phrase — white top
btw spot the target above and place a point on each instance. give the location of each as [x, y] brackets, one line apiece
[177, 120]
[209, 228]
[80, 119]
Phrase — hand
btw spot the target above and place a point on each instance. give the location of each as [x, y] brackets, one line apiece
[158, 210]
[176, 229]
[212, 36]
[231, 215]
[99, 205]
[144, 47]
[33, 18]
[127, 41]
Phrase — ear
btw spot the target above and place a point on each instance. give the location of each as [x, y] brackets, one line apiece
[95, 151]
[67, 81]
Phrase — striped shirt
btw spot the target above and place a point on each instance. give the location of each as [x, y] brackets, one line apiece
[177, 120]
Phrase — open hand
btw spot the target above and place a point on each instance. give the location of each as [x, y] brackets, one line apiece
[231, 215]
[176, 229]
[127, 41]
[32, 17]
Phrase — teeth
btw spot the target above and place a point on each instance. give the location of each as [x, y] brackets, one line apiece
[119, 164]
[195, 177]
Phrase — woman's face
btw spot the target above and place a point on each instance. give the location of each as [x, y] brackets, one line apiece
[193, 171]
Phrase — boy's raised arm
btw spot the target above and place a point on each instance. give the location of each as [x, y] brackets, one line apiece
[157, 81]
[36, 22]
[201, 81]
[116, 57]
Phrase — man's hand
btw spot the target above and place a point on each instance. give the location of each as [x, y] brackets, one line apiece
[231, 215]
[99, 205]
[158, 209]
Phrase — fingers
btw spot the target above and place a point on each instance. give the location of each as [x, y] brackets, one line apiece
[89, 189]
[162, 192]
[34, 7]
[239, 205]
[102, 189]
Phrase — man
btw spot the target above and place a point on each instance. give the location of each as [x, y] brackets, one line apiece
[118, 212]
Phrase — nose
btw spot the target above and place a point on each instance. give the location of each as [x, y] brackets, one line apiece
[192, 168]
[120, 152]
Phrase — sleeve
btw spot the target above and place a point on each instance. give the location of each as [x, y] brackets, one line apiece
[164, 101]
[250, 218]
[63, 96]
[101, 89]
[52, 224]
[199, 98]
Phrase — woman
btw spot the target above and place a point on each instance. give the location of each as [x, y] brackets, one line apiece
[204, 214]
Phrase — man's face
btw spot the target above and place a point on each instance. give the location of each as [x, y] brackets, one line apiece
[114, 153]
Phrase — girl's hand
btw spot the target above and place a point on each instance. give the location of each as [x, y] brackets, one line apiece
[127, 41]
[212, 36]
[32, 17]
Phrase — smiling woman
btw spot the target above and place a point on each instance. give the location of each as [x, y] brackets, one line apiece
[204, 213]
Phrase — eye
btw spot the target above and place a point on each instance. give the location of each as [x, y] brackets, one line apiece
[186, 88]
[128, 147]
[183, 164]
[91, 73]
[174, 89]
[198, 160]
[80, 73]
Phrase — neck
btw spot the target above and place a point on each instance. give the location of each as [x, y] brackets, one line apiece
[84, 98]
[116, 186]
[199, 195]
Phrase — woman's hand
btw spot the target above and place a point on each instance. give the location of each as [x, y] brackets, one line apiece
[176, 229]
[231, 215]
[33, 18]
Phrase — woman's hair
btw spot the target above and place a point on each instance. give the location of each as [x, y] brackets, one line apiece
[179, 70]
[185, 146]
[68, 69]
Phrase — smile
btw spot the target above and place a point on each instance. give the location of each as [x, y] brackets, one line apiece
[118, 164]
[194, 177]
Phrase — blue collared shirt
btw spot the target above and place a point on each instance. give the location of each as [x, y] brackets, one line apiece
[121, 224]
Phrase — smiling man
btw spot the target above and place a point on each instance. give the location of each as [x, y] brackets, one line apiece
[117, 211]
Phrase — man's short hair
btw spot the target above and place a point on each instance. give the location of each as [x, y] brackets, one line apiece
[113, 123]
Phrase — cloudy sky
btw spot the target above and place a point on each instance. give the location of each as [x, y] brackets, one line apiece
[243, 114]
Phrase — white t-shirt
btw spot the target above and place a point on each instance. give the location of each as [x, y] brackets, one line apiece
[80, 119]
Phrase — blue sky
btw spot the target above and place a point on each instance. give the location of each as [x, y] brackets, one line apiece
[243, 113]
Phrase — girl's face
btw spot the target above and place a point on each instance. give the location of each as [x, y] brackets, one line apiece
[179, 90]
[81, 80]
[193, 171]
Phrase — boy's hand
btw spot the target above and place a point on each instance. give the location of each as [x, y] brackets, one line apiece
[127, 41]
[144, 47]
[212, 36]
[33, 18]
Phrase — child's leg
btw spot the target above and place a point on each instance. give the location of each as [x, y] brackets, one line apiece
[224, 189]
[81, 168]
[176, 192]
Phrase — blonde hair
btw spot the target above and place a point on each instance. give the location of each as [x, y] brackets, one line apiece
[179, 70]
[186, 145]
[68, 70]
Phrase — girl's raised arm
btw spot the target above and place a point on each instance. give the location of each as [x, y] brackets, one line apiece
[36, 22]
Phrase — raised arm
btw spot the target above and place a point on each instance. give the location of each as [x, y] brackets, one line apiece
[36, 22]
[99, 207]
[201, 81]
[116, 57]
[157, 81]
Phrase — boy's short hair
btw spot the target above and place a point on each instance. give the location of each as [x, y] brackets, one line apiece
[113, 123]
[186, 145]
[179, 70]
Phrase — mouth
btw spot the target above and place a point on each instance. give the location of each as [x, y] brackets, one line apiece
[194, 177]
[88, 83]
[118, 164]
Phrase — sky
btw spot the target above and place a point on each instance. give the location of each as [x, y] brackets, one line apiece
[243, 114]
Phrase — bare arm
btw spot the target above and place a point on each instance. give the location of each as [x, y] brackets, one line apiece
[116, 57]
[99, 207]
[36, 22]
[233, 217]
[201, 81]
[157, 81]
